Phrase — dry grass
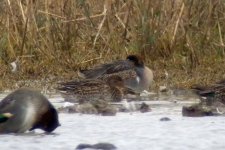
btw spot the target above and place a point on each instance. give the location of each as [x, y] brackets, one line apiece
[53, 38]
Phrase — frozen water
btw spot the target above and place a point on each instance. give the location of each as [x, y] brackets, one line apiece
[127, 131]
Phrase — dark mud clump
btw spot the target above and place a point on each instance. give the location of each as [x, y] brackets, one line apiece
[98, 146]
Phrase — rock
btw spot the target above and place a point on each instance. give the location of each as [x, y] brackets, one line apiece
[127, 106]
[100, 104]
[147, 94]
[165, 119]
[109, 111]
[104, 108]
[68, 109]
[83, 146]
[98, 146]
[163, 89]
[87, 108]
[144, 108]
[96, 107]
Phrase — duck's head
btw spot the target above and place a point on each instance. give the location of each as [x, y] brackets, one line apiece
[52, 121]
[115, 81]
[137, 60]
[48, 121]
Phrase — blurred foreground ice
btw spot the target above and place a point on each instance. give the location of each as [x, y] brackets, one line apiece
[128, 131]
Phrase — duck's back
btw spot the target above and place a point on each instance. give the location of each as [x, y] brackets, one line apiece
[106, 69]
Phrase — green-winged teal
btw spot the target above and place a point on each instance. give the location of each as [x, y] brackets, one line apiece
[30, 110]
[135, 74]
[90, 90]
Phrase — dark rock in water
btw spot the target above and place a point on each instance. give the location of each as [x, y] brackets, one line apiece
[144, 108]
[104, 146]
[98, 146]
[165, 119]
[83, 146]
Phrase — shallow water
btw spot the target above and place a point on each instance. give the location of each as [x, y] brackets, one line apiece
[128, 131]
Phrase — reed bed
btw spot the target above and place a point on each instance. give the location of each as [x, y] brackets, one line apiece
[51, 39]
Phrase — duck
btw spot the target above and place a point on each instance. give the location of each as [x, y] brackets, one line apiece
[92, 90]
[30, 110]
[133, 71]
[210, 94]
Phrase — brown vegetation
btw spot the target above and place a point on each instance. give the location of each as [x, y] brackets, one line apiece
[51, 39]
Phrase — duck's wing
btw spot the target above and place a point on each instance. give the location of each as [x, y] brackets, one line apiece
[94, 72]
[125, 75]
[104, 69]
[119, 66]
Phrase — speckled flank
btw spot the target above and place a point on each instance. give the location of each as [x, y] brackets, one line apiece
[92, 89]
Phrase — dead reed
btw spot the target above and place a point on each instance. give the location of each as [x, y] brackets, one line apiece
[53, 38]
